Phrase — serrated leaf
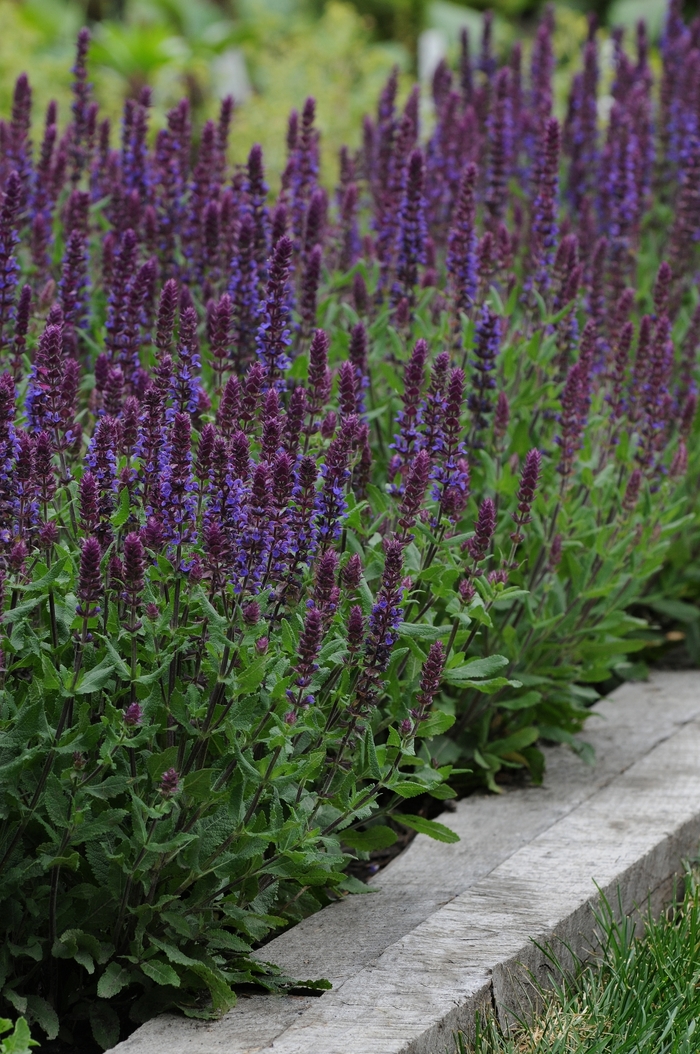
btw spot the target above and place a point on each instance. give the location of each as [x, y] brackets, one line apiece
[55, 572]
[377, 837]
[119, 518]
[407, 788]
[112, 981]
[104, 1022]
[436, 724]
[421, 632]
[18, 612]
[95, 678]
[41, 1011]
[371, 755]
[474, 668]
[432, 828]
[160, 972]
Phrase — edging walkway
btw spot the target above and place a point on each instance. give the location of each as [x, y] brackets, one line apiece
[450, 925]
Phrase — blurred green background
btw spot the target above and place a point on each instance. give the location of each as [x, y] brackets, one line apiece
[269, 54]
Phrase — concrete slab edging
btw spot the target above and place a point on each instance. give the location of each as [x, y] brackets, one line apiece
[454, 929]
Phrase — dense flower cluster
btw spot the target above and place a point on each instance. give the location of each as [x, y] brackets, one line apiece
[281, 473]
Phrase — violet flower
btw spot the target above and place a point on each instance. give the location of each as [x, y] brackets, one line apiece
[186, 385]
[274, 335]
[485, 350]
[309, 290]
[385, 617]
[9, 267]
[431, 675]
[544, 209]
[89, 588]
[331, 501]
[479, 544]
[412, 232]
[81, 103]
[461, 245]
[244, 291]
[451, 472]
[526, 493]
[178, 488]
[408, 418]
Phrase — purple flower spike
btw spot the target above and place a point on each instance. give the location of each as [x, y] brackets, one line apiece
[461, 245]
[9, 267]
[319, 379]
[90, 583]
[407, 438]
[169, 783]
[452, 470]
[485, 350]
[309, 647]
[544, 218]
[431, 675]
[479, 545]
[89, 515]
[412, 232]
[631, 496]
[133, 715]
[177, 484]
[500, 137]
[352, 574]
[309, 291]
[274, 335]
[81, 104]
[256, 194]
[386, 613]
[165, 326]
[414, 493]
[331, 501]
[526, 493]
[574, 395]
[186, 385]
[356, 629]
[134, 566]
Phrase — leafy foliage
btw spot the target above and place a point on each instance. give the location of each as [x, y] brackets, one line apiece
[306, 506]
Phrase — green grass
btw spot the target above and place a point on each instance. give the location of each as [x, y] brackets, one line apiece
[639, 996]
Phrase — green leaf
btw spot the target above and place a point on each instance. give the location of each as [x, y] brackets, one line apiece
[119, 518]
[42, 584]
[435, 724]
[422, 632]
[18, 613]
[50, 677]
[160, 972]
[442, 792]
[20, 1041]
[676, 609]
[157, 764]
[197, 785]
[493, 684]
[371, 755]
[112, 981]
[476, 668]
[104, 1022]
[41, 1011]
[407, 788]
[253, 677]
[95, 678]
[524, 738]
[377, 837]
[435, 830]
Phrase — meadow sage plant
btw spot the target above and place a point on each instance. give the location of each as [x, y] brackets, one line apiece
[310, 502]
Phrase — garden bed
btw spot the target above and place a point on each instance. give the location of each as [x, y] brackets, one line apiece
[441, 935]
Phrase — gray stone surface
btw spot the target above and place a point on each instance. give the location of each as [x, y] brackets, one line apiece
[450, 928]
